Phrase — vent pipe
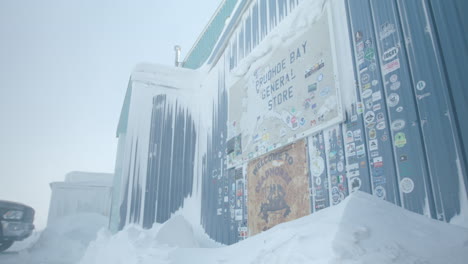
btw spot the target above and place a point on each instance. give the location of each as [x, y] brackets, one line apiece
[177, 49]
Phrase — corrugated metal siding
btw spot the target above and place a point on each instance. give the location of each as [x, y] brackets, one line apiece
[207, 41]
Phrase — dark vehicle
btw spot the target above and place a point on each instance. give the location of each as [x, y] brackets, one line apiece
[16, 223]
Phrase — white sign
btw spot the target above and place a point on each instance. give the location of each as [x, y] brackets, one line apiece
[291, 95]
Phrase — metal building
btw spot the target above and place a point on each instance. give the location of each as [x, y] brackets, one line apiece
[308, 101]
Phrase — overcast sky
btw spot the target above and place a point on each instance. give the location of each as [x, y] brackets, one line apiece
[64, 68]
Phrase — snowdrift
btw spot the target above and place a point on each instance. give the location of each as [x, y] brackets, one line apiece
[362, 229]
[64, 241]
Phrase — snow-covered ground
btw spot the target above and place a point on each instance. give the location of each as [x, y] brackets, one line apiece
[64, 241]
[362, 229]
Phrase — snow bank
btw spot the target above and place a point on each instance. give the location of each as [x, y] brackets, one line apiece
[64, 241]
[361, 229]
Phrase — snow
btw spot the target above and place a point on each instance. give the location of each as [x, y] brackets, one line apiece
[63, 242]
[361, 229]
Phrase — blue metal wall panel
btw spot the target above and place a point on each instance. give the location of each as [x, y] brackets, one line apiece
[404, 121]
[373, 105]
[451, 28]
[318, 172]
[434, 105]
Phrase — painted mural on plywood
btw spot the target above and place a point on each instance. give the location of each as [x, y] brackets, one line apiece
[278, 187]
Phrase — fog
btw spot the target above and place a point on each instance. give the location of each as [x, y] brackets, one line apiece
[64, 67]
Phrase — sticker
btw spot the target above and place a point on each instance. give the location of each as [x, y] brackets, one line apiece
[354, 173]
[393, 78]
[365, 78]
[370, 125]
[358, 36]
[421, 85]
[390, 54]
[366, 93]
[391, 66]
[380, 117]
[374, 154]
[349, 136]
[373, 144]
[318, 181]
[302, 122]
[386, 30]
[400, 139]
[372, 67]
[355, 184]
[366, 86]
[406, 185]
[357, 134]
[369, 116]
[363, 164]
[384, 137]
[354, 166]
[403, 158]
[340, 166]
[314, 68]
[399, 109]
[378, 162]
[376, 107]
[337, 196]
[395, 86]
[369, 104]
[375, 83]
[359, 107]
[320, 77]
[317, 166]
[423, 96]
[368, 43]
[393, 99]
[376, 96]
[334, 179]
[325, 91]
[350, 149]
[360, 151]
[381, 125]
[398, 124]
[370, 54]
[380, 192]
[312, 88]
[372, 134]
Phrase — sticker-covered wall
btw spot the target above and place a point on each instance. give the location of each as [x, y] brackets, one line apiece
[299, 104]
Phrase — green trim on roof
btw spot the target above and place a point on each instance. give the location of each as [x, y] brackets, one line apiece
[203, 48]
[123, 121]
